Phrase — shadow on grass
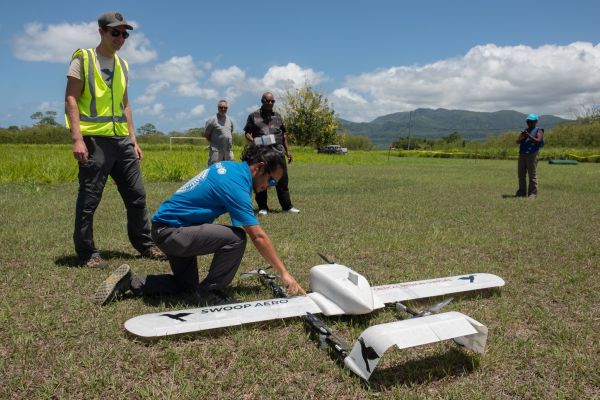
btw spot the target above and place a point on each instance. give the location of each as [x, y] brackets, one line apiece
[453, 363]
[184, 300]
[512, 196]
[73, 261]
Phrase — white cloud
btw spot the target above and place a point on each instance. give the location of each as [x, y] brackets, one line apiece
[176, 69]
[278, 79]
[137, 49]
[154, 110]
[56, 43]
[194, 90]
[151, 91]
[228, 76]
[195, 113]
[548, 79]
[346, 94]
[51, 106]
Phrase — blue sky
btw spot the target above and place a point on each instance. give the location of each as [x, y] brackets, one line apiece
[369, 57]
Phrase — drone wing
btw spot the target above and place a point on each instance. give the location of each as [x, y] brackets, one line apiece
[198, 319]
[374, 341]
[436, 287]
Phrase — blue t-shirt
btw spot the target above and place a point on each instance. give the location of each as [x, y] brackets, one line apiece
[224, 187]
[528, 146]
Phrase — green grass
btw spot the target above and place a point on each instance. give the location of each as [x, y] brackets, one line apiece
[53, 163]
[393, 221]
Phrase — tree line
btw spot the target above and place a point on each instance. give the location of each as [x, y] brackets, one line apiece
[312, 122]
[308, 117]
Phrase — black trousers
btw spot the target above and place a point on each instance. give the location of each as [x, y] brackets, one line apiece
[116, 158]
[283, 195]
[182, 245]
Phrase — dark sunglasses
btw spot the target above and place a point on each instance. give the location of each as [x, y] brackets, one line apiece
[272, 181]
[223, 108]
[269, 101]
[117, 33]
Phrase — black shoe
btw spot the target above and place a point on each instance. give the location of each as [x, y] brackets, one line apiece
[114, 286]
[215, 297]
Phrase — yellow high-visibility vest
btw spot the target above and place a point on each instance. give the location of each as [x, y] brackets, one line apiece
[101, 108]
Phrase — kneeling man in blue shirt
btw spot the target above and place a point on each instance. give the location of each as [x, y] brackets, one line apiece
[183, 229]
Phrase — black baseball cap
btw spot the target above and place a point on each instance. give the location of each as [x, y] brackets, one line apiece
[113, 19]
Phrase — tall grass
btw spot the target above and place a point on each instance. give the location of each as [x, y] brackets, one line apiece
[55, 163]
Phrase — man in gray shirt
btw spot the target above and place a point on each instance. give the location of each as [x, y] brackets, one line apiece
[218, 132]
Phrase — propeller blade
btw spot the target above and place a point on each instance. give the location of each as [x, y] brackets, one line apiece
[255, 272]
[402, 307]
[325, 259]
[437, 307]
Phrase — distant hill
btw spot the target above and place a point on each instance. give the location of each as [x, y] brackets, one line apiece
[432, 124]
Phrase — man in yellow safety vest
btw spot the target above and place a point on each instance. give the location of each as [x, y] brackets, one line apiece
[98, 113]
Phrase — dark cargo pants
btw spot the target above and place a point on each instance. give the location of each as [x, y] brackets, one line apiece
[283, 195]
[182, 245]
[527, 166]
[116, 158]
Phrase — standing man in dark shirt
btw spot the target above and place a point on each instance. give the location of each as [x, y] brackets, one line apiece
[530, 141]
[264, 127]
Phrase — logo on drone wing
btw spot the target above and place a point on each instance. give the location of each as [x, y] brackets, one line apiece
[368, 353]
[178, 316]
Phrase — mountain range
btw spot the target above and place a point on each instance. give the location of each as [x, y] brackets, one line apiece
[433, 124]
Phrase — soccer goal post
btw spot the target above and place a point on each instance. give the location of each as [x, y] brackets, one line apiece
[183, 138]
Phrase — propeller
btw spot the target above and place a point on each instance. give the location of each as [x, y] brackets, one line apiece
[325, 259]
[258, 272]
[428, 311]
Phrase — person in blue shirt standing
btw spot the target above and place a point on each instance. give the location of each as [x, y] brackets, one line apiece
[183, 229]
[530, 141]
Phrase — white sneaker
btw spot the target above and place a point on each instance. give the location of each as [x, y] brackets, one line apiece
[293, 210]
[262, 212]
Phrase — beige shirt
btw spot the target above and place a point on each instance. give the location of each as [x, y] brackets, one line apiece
[105, 65]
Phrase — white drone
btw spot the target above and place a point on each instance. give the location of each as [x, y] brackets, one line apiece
[337, 290]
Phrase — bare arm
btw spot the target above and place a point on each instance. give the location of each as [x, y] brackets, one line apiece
[248, 135]
[288, 153]
[129, 115]
[535, 139]
[208, 130]
[74, 88]
[538, 136]
[265, 247]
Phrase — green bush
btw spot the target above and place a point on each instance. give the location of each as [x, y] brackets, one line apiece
[41, 134]
[355, 142]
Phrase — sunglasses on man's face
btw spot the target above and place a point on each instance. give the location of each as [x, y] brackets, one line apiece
[222, 108]
[117, 33]
[269, 101]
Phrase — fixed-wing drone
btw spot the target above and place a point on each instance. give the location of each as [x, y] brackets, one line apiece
[337, 290]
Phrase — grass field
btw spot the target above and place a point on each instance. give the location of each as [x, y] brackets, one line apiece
[393, 221]
[53, 163]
